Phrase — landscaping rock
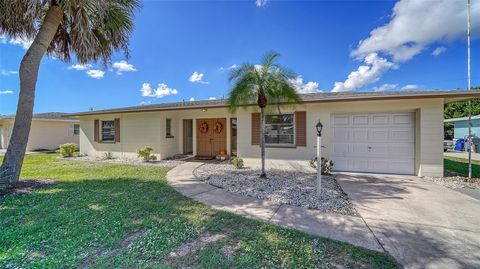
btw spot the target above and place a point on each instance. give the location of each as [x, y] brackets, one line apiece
[283, 186]
[455, 181]
[132, 161]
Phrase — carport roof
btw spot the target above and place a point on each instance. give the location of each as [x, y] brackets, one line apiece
[448, 95]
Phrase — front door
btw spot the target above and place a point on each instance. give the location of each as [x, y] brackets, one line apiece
[211, 137]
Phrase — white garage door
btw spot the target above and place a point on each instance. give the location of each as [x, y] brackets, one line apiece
[375, 143]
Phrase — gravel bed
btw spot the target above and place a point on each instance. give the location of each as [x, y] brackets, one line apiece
[282, 186]
[455, 182]
[132, 161]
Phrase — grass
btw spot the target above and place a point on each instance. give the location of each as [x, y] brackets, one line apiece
[122, 216]
[460, 165]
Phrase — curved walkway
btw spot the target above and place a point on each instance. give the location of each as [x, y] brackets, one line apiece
[349, 229]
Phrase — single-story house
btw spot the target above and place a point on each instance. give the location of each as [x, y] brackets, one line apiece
[379, 132]
[460, 126]
[48, 130]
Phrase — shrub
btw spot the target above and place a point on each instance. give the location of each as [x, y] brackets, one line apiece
[237, 162]
[68, 149]
[108, 155]
[146, 154]
[326, 165]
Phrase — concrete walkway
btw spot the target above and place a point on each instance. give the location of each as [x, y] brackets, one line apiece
[421, 224]
[349, 229]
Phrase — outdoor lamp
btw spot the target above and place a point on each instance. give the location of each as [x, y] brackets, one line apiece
[319, 127]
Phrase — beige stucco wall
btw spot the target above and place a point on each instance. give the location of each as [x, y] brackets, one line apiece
[148, 128]
[43, 134]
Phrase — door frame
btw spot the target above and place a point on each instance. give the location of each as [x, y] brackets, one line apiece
[212, 136]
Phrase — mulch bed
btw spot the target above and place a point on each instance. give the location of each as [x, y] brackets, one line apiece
[25, 186]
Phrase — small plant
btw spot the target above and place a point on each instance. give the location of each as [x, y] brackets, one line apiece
[108, 155]
[326, 165]
[146, 154]
[237, 162]
[68, 149]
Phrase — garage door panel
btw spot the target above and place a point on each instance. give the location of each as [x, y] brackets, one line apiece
[377, 143]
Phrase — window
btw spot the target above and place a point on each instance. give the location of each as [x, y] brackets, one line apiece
[76, 129]
[280, 129]
[108, 131]
[168, 128]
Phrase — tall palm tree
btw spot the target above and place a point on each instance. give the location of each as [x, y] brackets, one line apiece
[267, 83]
[92, 30]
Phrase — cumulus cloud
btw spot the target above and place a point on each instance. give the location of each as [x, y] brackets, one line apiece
[161, 91]
[385, 87]
[5, 72]
[144, 103]
[261, 3]
[6, 92]
[438, 51]
[18, 41]
[123, 66]
[191, 99]
[80, 67]
[397, 43]
[309, 87]
[212, 98]
[98, 74]
[365, 74]
[197, 77]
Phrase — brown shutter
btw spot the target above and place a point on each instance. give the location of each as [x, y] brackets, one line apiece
[301, 128]
[117, 130]
[255, 128]
[96, 130]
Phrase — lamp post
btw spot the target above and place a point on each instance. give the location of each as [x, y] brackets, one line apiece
[319, 128]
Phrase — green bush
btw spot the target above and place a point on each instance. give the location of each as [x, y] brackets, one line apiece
[237, 162]
[146, 154]
[326, 165]
[108, 155]
[68, 149]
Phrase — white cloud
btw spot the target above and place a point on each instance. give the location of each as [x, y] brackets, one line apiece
[80, 67]
[197, 77]
[18, 41]
[415, 24]
[438, 51]
[261, 3]
[123, 66]
[365, 74]
[6, 92]
[98, 74]
[161, 91]
[410, 87]
[5, 72]
[385, 87]
[191, 99]
[396, 42]
[144, 103]
[212, 98]
[233, 66]
[309, 87]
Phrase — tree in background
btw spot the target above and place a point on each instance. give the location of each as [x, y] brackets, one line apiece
[459, 110]
[266, 83]
[92, 30]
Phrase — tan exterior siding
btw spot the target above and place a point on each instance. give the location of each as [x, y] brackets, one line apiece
[148, 128]
[43, 134]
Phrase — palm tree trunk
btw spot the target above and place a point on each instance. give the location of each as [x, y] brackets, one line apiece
[262, 141]
[12, 163]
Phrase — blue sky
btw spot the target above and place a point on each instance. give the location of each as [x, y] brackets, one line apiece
[183, 49]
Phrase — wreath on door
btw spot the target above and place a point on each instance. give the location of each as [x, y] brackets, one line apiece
[203, 127]
[218, 127]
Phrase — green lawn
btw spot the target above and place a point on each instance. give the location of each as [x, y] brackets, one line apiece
[460, 165]
[108, 215]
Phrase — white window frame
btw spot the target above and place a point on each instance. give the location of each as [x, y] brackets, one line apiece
[294, 131]
[78, 130]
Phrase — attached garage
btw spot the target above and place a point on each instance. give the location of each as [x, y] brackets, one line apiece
[374, 143]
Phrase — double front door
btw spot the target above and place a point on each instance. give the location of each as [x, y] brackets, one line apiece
[211, 137]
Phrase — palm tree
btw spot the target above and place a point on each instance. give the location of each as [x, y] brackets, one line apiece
[92, 30]
[267, 82]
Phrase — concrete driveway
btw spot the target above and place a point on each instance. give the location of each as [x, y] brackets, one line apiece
[422, 224]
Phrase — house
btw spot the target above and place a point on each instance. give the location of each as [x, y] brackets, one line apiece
[48, 130]
[380, 132]
[460, 126]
